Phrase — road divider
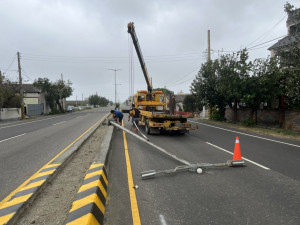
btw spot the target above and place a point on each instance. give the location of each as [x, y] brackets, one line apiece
[89, 204]
[20, 198]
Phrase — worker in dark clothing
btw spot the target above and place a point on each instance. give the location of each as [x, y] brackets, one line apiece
[117, 116]
[135, 114]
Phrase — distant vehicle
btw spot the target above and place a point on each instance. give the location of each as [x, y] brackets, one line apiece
[70, 108]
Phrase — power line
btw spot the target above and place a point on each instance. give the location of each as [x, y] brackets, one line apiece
[183, 82]
[251, 48]
[10, 64]
[267, 42]
[172, 83]
[109, 59]
[267, 32]
[25, 74]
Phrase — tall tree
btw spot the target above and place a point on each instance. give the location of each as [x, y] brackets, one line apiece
[263, 85]
[205, 87]
[55, 92]
[94, 100]
[190, 104]
[233, 72]
[97, 100]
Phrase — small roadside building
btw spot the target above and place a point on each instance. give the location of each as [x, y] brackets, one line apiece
[34, 101]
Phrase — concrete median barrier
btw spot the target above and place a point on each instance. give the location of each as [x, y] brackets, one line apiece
[89, 204]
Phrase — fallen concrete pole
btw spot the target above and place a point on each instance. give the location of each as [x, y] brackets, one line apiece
[193, 167]
[149, 143]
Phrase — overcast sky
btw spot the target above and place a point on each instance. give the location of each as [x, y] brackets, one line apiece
[83, 39]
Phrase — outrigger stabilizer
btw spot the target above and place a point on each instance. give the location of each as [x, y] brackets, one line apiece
[192, 167]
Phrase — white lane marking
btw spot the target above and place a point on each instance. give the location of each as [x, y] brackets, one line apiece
[250, 135]
[12, 137]
[19, 124]
[59, 123]
[162, 220]
[257, 164]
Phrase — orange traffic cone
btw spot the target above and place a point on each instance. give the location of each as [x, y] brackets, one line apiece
[237, 156]
[237, 150]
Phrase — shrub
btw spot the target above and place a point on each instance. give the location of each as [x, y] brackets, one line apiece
[216, 114]
[250, 122]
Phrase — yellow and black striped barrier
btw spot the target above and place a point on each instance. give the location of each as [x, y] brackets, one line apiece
[89, 204]
[23, 111]
[17, 201]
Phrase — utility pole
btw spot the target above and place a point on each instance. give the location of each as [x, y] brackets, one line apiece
[208, 48]
[61, 99]
[19, 70]
[21, 87]
[115, 83]
[1, 79]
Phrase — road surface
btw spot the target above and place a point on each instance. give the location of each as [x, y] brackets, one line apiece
[27, 146]
[267, 191]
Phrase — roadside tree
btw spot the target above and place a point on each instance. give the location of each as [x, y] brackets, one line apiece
[98, 100]
[205, 88]
[55, 92]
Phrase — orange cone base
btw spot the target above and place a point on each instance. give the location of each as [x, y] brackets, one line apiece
[238, 163]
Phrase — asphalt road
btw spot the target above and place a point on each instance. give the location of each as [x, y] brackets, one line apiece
[26, 146]
[267, 191]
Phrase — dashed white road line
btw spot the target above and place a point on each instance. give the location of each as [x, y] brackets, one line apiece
[59, 123]
[162, 220]
[250, 135]
[257, 164]
[19, 124]
[12, 137]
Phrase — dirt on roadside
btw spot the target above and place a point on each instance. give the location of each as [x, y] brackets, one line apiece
[53, 204]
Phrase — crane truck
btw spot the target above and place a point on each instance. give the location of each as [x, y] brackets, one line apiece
[152, 104]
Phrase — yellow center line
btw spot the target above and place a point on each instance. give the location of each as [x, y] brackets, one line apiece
[47, 165]
[133, 201]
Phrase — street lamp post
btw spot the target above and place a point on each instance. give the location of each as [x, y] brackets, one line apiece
[115, 83]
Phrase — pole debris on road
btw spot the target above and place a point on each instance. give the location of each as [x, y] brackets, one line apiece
[192, 167]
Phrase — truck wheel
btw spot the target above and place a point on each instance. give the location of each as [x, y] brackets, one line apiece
[147, 128]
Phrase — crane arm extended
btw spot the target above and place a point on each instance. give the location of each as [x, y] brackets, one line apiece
[131, 31]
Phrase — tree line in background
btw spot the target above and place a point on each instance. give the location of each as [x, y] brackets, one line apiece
[10, 92]
[55, 92]
[98, 100]
[232, 80]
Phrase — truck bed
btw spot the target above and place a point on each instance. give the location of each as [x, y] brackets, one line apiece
[163, 115]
